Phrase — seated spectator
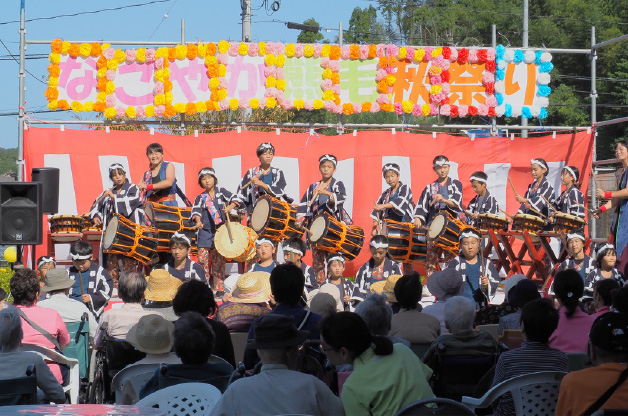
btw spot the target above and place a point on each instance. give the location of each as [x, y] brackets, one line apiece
[193, 344]
[524, 291]
[378, 314]
[160, 291]
[325, 300]
[24, 285]
[385, 377]
[490, 314]
[57, 285]
[574, 324]
[13, 363]
[3, 297]
[620, 300]
[462, 339]
[286, 285]
[603, 291]
[581, 391]
[411, 324]
[278, 389]
[443, 285]
[116, 323]
[196, 296]
[247, 302]
[387, 288]
[539, 319]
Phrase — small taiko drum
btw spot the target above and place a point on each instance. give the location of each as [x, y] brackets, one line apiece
[92, 232]
[445, 231]
[130, 239]
[275, 219]
[240, 247]
[169, 220]
[405, 242]
[567, 223]
[527, 222]
[329, 234]
[63, 225]
[495, 222]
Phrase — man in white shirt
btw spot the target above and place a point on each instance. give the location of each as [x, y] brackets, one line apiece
[58, 285]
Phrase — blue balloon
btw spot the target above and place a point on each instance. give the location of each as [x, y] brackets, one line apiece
[525, 112]
[543, 113]
[537, 57]
[546, 67]
[500, 74]
[544, 90]
[508, 110]
[518, 56]
[500, 98]
[499, 52]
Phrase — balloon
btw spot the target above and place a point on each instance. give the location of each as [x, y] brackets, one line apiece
[10, 254]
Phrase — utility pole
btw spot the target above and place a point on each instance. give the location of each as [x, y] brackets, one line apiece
[22, 88]
[246, 20]
[524, 121]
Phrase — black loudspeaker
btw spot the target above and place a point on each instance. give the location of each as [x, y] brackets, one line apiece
[21, 213]
[49, 178]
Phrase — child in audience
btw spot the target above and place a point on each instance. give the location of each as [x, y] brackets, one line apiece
[335, 270]
[265, 250]
[44, 264]
[378, 268]
[92, 283]
[483, 202]
[293, 251]
[479, 275]
[181, 266]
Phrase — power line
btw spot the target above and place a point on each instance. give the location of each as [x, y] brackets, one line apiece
[26, 70]
[163, 19]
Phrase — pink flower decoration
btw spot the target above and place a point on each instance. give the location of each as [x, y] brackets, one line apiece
[160, 110]
[428, 54]
[482, 109]
[445, 110]
[223, 104]
[253, 49]
[283, 103]
[446, 88]
[364, 52]
[345, 52]
[269, 71]
[140, 112]
[357, 108]
[159, 87]
[109, 53]
[433, 98]
[438, 61]
[440, 97]
[454, 55]
[222, 58]
[436, 80]
[279, 95]
[270, 92]
[382, 99]
[150, 55]
[111, 101]
[223, 83]
[326, 84]
[433, 109]
[309, 104]
[416, 110]
[380, 50]
[336, 89]
[233, 49]
[325, 62]
[317, 50]
[392, 50]
[111, 75]
[129, 55]
[334, 66]
[463, 110]
[445, 65]
[398, 108]
[244, 103]
[329, 105]
[391, 70]
[280, 48]
[410, 53]
[381, 73]
[375, 108]
[491, 101]
[490, 54]
[280, 73]
[298, 50]
[270, 48]
[337, 109]
[487, 77]
[473, 56]
[120, 111]
[159, 63]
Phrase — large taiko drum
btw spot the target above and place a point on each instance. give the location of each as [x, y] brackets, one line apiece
[329, 234]
[66, 224]
[445, 231]
[405, 242]
[568, 223]
[495, 222]
[275, 219]
[240, 247]
[169, 220]
[129, 239]
[527, 222]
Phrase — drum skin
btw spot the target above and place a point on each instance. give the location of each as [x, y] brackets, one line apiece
[169, 220]
[527, 222]
[329, 234]
[241, 248]
[567, 223]
[491, 222]
[275, 219]
[129, 239]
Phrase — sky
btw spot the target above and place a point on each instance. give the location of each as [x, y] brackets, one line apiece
[209, 20]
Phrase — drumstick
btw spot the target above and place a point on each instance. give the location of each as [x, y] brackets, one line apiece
[594, 177]
[511, 216]
[549, 203]
[313, 198]
[246, 185]
[537, 212]
[579, 204]
[228, 223]
[513, 187]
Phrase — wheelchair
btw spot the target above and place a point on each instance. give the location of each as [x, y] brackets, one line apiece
[80, 348]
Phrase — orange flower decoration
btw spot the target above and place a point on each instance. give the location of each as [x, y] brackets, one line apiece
[51, 94]
[170, 111]
[337, 102]
[167, 85]
[354, 52]
[102, 84]
[63, 105]
[382, 86]
[96, 49]
[383, 62]
[211, 51]
[190, 108]
[54, 70]
[366, 107]
[335, 78]
[101, 62]
[392, 62]
[334, 52]
[99, 107]
[75, 50]
[347, 108]
[172, 54]
[372, 51]
[214, 96]
[212, 71]
[387, 107]
[56, 45]
[192, 51]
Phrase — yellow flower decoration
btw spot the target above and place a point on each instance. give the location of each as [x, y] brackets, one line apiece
[169, 97]
[271, 102]
[180, 52]
[55, 58]
[161, 52]
[327, 74]
[160, 75]
[140, 55]
[407, 106]
[179, 108]
[281, 59]
[119, 55]
[390, 79]
[328, 95]
[201, 107]
[214, 83]
[437, 51]
[255, 101]
[76, 106]
[223, 46]
[271, 82]
[243, 49]
[325, 51]
[403, 53]
[150, 111]
[52, 105]
[425, 109]
[211, 60]
[65, 47]
[88, 106]
[222, 70]
[85, 50]
[281, 84]
[270, 60]
[308, 51]
[299, 104]
[318, 104]
[160, 99]
[222, 94]
[436, 89]
[233, 104]
[419, 54]
[105, 46]
[202, 52]
[111, 88]
[110, 112]
[101, 97]
[435, 70]
[102, 72]
[130, 112]
[290, 50]
[112, 64]
[53, 82]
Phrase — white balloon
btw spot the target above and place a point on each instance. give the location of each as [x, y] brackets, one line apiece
[529, 57]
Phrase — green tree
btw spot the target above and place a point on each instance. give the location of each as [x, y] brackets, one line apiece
[364, 27]
[310, 37]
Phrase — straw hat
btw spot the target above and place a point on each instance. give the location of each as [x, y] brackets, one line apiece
[152, 334]
[386, 287]
[252, 287]
[162, 286]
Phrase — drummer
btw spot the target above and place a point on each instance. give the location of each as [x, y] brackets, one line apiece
[122, 198]
[208, 214]
[483, 202]
[92, 284]
[327, 195]
[395, 203]
[577, 259]
[571, 201]
[335, 271]
[293, 251]
[444, 193]
[377, 269]
[180, 266]
[258, 181]
[159, 183]
[534, 202]
[265, 250]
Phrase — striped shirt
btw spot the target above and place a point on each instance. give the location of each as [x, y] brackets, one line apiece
[530, 358]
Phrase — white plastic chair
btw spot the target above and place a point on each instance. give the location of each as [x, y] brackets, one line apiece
[73, 386]
[534, 393]
[128, 382]
[184, 399]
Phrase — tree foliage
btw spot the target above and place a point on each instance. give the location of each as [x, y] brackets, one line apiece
[310, 37]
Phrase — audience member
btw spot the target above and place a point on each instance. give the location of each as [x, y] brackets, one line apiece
[620, 300]
[387, 288]
[57, 285]
[286, 285]
[443, 285]
[248, 301]
[41, 326]
[539, 319]
[378, 314]
[325, 300]
[160, 291]
[278, 389]
[489, 314]
[194, 344]
[196, 296]
[574, 324]
[116, 323]
[3, 297]
[44, 264]
[385, 377]
[602, 386]
[411, 324]
[13, 363]
[603, 291]
[524, 291]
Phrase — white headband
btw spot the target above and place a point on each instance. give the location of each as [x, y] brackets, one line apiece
[477, 178]
[606, 246]
[390, 167]
[209, 171]
[46, 260]
[466, 234]
[115, 166]
[262, 240]
[292, 249]
[538, 162]
[568, 169]
[336, 257]
[182, 236]
[441, 163]
[328, 157]
[266, 146]
[80, 257]
[575, 235]
[375, 244]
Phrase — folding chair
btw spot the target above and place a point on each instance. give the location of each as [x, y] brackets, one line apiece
[439, 406]
[184, 399]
